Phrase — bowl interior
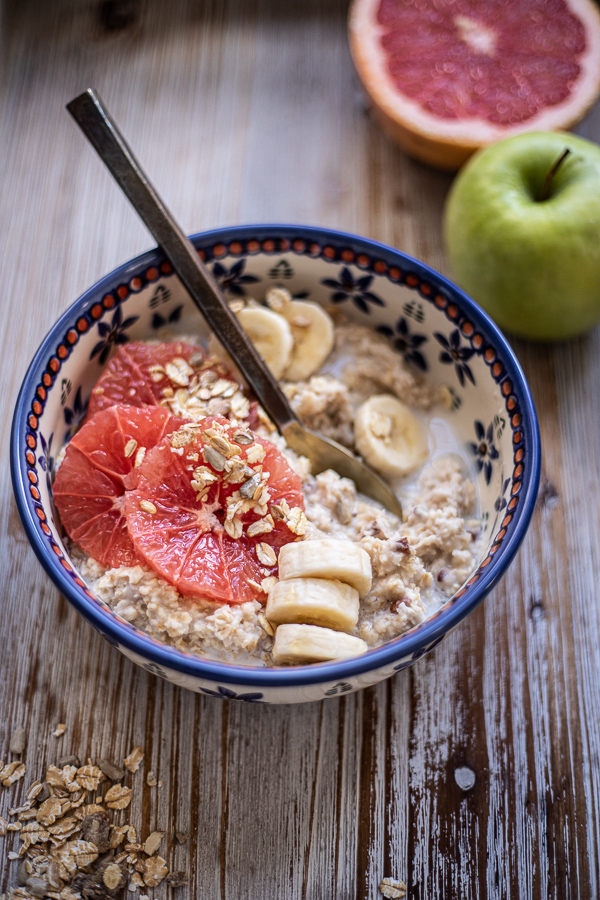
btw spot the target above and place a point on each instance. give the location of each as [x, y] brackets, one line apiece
[438, 330]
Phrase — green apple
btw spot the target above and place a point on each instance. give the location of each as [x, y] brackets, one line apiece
[522, 232]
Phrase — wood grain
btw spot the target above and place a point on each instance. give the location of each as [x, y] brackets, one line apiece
[246, 111]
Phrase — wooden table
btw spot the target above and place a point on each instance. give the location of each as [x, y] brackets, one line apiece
[249, 111]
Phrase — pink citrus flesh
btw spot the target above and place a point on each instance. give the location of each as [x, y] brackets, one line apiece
[181, 535]
[133, 375]
[98, 467]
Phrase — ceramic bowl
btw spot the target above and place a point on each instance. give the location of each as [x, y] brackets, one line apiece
[437, 329]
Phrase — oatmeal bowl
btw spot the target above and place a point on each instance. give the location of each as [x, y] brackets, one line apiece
[170, 513]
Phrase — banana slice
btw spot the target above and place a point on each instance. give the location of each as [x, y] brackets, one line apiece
[311, 644]
[389, 437]
[313, 601]
[340, 560]
[312, 330]
[271, 335]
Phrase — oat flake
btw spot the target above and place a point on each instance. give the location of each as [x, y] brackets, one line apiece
[118, 797]
[153, 842]
[153, 870]
[392, 889]
[12, 772]
[132, 762]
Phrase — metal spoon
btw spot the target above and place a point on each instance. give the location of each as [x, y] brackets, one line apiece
[98, 126]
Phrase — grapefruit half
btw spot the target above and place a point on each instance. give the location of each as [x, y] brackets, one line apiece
[98, 467]
[446, 77]
[177, 515]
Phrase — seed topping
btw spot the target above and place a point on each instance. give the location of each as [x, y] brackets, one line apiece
[265, 554]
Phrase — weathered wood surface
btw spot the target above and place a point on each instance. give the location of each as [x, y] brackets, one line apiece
[249, 111]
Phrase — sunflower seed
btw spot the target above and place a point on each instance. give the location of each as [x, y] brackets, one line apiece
[112, 772]
[249, 487]
[36, 886]
[242, 438]
[214, 458]
[277, 512]
[23, 872]
[68, 761]
[177, 879]
[44, 793]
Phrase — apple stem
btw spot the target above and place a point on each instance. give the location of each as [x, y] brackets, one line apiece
[552, 173]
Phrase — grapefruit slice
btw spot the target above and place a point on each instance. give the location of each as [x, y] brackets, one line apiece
[138, 374]
[449, 76]
[212, 505]
[99, 466]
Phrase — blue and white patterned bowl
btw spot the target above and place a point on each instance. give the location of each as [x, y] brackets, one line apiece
[435, 326]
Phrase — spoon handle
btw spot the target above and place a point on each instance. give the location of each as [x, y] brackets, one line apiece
[98, 126]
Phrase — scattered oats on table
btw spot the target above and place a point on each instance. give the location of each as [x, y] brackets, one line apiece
[118, 797]
[153, 842]
[153, 870]
[70, 849]
[392, 889]
[132, 762]
[11, 772]
[59, 730]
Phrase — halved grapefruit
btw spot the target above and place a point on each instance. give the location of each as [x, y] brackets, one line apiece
[99, 466]
[138, 374]
[191, 488]
[449, 76]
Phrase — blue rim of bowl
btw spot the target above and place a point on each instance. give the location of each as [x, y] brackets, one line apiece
[410, 645]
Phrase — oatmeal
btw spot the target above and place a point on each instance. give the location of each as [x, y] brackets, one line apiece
[225, 493]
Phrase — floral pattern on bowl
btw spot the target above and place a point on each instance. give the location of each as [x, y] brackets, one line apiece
[436, 328]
